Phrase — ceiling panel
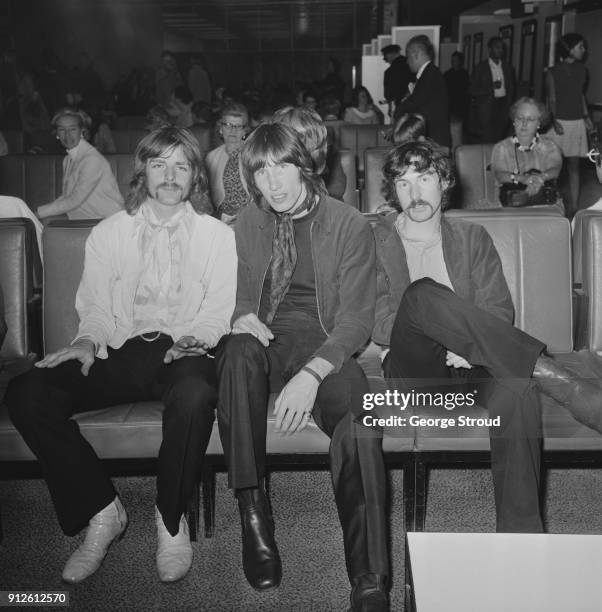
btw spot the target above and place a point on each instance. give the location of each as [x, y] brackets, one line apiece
[304, 23]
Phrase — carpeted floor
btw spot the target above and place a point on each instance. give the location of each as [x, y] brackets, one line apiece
[34, 549]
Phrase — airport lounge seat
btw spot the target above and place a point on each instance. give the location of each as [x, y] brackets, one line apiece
[18, 251]
[133, 433]
[535, 253]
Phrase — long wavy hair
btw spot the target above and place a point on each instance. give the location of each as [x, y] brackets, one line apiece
[419, 155]
[160, 143]
[309, 125]
[277, 143]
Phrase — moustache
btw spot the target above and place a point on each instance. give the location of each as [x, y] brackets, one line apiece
[419, 202]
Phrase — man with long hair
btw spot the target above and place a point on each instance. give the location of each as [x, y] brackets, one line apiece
[445, 312]
[304, 307]
[157, 293]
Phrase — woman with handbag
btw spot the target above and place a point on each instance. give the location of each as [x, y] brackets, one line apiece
[527, 164]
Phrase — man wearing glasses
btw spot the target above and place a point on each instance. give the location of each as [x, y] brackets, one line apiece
[227, 185]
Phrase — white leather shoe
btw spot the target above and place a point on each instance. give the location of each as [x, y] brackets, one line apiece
[174, 553]
[110, 523]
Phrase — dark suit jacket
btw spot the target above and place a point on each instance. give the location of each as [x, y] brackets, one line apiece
[429, 99]
[481, 83]
[397, 77]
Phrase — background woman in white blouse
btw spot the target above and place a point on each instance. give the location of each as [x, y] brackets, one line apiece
[90, 190]
[363, 111]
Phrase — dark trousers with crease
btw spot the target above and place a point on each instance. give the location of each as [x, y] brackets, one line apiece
[247, 373]
[42, 401]
[433, 319]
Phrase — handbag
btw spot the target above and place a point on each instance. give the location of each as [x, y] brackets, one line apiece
[515, 194]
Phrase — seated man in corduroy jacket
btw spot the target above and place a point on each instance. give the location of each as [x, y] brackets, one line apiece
[445, 312]
[304, 307]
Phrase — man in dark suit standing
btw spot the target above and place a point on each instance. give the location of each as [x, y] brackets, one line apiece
[428, 95]
[397, 76]
[493, 88]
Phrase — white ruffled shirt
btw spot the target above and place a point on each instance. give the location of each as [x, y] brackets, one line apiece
[194, 286]
[162, 243]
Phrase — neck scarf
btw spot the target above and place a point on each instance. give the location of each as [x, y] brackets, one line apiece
[284, 256]
[162, 243]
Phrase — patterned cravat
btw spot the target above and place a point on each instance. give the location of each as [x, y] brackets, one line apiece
[284, 256]
[235, 195]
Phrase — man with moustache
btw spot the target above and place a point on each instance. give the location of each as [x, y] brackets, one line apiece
[304, 307]
[445, 312]
[157, 292]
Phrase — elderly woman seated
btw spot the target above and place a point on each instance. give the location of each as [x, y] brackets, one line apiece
[228, 188]
[527, 164]
[90, 190]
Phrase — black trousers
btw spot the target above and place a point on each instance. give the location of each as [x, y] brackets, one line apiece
[493, 118]
[433, 319]
[247, 373]
[42, 401]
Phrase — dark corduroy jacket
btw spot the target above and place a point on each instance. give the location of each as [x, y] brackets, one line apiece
[473, 265]
[344, 264]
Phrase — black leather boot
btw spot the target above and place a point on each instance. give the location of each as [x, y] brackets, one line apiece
[369, 594]
[260, 557]
[582, 397]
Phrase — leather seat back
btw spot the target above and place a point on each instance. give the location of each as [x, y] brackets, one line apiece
[372, 196]
[358, 138]
[15, 141]
[592, 281]
[581, 221]
[17, 244]
[126, 141]
[35, 179]
[476, 183]
[122, 165]
[64, 247]
[535, 250]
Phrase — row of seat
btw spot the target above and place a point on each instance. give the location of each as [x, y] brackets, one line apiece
[37, 179]
[363, 148]
[536, 257]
